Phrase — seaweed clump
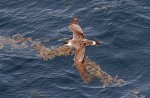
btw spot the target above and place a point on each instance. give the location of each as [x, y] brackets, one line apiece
[87, 69]
[47, 53]
[94, 70]
[19, 41]
[16, 41]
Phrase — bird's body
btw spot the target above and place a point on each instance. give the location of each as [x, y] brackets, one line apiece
[79, 42]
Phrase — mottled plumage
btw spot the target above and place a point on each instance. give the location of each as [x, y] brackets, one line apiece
[78, 42]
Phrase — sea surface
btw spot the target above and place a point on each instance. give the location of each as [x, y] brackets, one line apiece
[123, 26]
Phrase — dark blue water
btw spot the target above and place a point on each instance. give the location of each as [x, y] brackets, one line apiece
[122, 25]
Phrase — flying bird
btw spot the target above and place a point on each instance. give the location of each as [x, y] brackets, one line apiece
[79, 42]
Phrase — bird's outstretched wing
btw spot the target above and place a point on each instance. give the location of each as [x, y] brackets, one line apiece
[76, 29]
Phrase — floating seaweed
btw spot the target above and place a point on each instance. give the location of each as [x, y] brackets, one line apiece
[1, 46]
[47, 53]
[136, 93]
[16, 41]
[19, 41]
[2, 42]
[94, 70]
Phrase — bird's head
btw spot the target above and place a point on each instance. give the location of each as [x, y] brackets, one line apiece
[75, 20]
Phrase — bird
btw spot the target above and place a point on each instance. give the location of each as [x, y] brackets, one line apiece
[79, 42]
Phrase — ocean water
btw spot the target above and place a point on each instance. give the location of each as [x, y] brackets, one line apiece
[122, 25]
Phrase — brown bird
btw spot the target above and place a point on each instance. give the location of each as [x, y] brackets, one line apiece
[78, 42]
